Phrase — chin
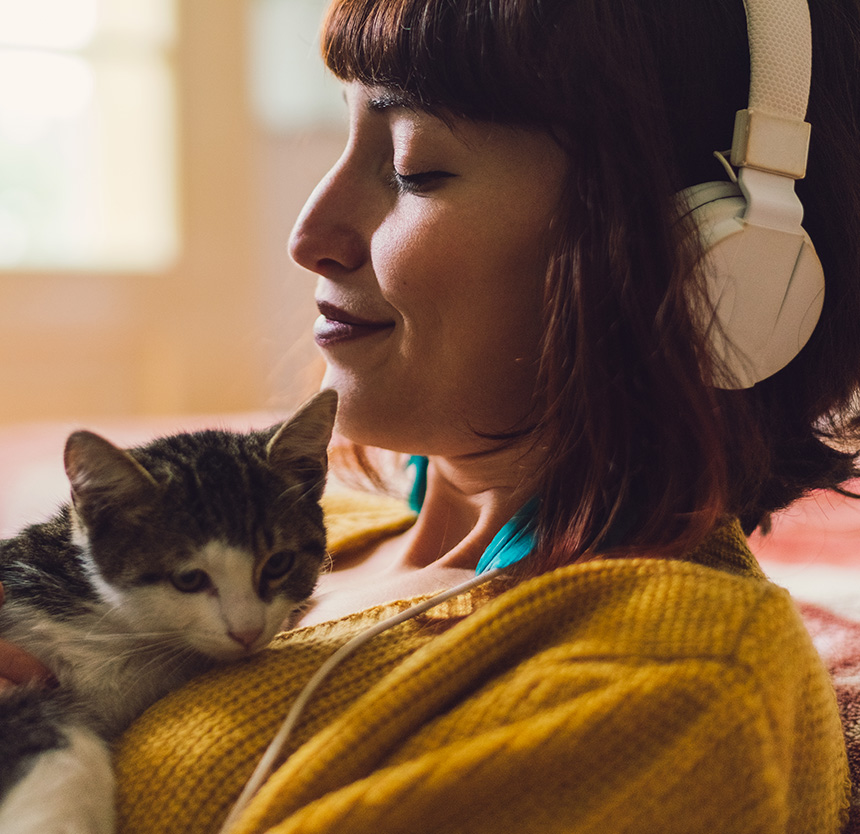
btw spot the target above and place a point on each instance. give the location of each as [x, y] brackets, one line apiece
[368, 425]
[362, 417]
[404, 418]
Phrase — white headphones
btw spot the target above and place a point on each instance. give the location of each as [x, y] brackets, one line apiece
[765, 282]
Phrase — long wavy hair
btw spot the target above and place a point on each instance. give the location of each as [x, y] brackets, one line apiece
[647, 457]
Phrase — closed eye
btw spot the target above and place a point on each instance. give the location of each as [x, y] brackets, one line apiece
[421, 183]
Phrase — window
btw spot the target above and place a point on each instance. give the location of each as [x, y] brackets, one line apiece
[290, 88]
[117, 117]
[87, 135]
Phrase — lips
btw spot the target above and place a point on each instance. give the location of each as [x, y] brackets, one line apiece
[336, 325]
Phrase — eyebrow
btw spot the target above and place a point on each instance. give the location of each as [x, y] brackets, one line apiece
[390, 100]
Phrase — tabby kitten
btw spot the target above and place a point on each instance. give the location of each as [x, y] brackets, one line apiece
[170, 558]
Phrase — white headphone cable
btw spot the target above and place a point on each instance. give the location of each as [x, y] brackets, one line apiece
[267, 761]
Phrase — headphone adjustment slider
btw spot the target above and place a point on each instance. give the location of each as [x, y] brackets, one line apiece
[767, 142]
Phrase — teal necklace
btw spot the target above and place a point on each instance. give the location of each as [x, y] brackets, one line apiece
[511, 544]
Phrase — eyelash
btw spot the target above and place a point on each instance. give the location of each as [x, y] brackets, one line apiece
[417, 183]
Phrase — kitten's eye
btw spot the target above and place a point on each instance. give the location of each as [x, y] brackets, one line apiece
[279, 564]
[191, 581]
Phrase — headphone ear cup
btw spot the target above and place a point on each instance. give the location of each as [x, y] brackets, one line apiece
[764, 287]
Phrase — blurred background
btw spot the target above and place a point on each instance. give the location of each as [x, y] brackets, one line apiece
[153, 157]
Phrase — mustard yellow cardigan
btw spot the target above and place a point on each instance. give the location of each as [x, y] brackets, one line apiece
[620, 695]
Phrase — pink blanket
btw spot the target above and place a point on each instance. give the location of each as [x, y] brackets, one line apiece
[814, 551]
[838, 641]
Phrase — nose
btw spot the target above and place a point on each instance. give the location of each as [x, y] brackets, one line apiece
[246, 637]
[327, 238]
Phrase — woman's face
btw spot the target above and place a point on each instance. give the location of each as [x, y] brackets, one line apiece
[430, 240]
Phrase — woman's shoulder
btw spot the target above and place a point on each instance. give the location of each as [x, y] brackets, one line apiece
[714, 606]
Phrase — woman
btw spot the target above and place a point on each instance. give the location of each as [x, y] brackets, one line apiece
[508, 288]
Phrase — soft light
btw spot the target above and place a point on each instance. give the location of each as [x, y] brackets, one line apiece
[48, 24]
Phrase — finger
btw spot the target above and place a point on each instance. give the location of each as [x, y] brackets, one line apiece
[17, 666]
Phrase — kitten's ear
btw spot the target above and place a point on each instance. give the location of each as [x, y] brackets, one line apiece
[104, 476]
[299, 446]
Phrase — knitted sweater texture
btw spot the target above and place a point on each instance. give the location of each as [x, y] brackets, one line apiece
[611, 696]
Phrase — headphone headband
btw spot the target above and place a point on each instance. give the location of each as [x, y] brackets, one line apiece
[780, 38]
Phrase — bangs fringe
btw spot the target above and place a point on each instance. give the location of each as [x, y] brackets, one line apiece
[463, 57]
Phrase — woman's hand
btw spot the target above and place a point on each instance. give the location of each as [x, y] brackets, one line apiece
[17, 666]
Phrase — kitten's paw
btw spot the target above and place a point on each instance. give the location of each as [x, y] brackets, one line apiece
[67, 791]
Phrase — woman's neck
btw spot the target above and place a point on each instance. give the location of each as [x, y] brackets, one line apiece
[467, 501]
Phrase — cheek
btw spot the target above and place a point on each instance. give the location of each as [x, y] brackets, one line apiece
[176, 620]
[159, 609]
[278, 612]
[459, 271]
[482, 294]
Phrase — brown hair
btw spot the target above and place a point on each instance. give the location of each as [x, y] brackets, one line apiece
[646, 456]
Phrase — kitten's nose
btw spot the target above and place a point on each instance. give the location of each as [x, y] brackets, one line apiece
[247, 637]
